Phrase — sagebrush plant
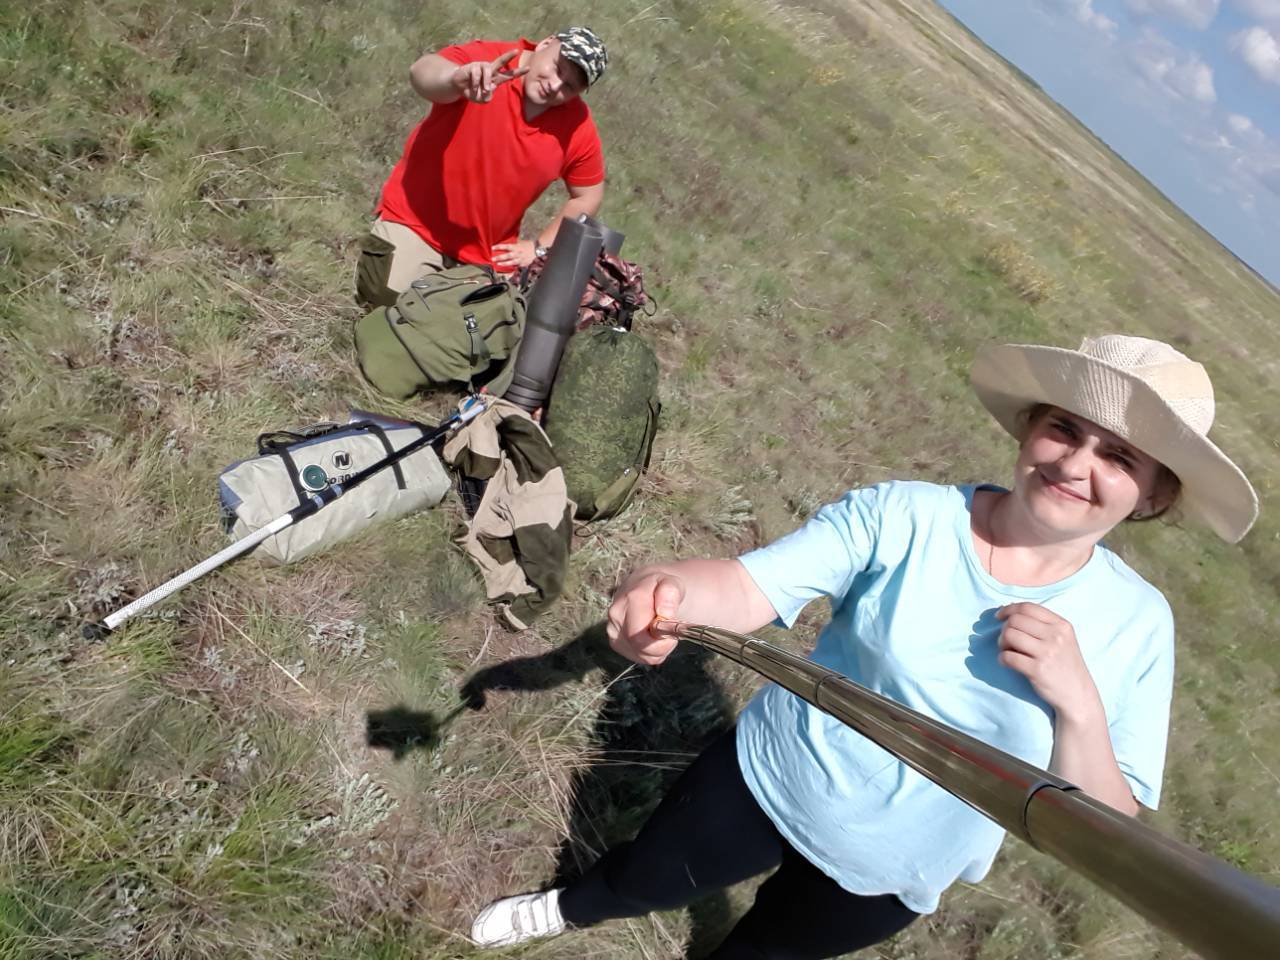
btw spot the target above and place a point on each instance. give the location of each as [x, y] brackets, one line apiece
[835, 204]
[1020, 271]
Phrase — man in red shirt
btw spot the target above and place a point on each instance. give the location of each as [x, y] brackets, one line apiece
[506, 121]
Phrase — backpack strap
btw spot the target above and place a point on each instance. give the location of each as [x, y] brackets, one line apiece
[607, 283]
[479, 353]
[381, 434]
[617, 280]
[625, 485]
[272, 441]
[291, 469]
[500, 381]
[278, 442]
[479, 350]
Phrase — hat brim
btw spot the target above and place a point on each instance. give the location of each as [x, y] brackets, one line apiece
[582, 65]
[1010, 378]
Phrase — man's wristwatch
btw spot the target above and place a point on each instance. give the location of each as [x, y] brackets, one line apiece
[539, 250]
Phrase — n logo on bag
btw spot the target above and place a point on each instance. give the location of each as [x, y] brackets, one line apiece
[342, 460]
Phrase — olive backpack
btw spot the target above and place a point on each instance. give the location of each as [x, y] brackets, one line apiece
[456, 327]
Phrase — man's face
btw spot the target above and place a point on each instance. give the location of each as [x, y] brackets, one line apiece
[552, 79]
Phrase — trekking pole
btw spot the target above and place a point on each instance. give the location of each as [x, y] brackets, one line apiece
[1219, 911]
[100, 629]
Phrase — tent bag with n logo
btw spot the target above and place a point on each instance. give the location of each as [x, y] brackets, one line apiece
[291, 466]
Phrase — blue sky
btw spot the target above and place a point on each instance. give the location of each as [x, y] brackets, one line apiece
[1188, 91]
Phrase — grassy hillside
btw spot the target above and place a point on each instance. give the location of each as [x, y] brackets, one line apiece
[836, 202]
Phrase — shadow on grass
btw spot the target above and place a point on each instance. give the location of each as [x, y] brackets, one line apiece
[651, 726]
[400, 729]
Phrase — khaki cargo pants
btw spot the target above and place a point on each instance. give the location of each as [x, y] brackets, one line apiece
[391, 257]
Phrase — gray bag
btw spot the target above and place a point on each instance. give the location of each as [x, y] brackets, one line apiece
[293, 465]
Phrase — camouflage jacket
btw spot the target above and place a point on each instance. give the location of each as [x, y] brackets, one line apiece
[521, 531]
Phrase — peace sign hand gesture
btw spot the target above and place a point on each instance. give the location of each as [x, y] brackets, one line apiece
[477, 80]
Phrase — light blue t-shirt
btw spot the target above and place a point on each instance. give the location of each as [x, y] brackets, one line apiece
[913, 618]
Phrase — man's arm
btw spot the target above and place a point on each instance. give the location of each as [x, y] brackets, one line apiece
[440, 80]
[581, 200]
[521, 253]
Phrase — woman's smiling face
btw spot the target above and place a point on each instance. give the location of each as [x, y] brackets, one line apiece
[1077, 479]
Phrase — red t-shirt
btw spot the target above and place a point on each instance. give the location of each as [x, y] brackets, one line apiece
[470, 170]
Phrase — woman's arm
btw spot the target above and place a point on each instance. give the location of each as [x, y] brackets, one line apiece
[714, 592]
[1082, 754]
[820, 559]
[1042, 647]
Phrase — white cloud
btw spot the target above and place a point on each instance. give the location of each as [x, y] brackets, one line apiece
[1261, 165]
[1083, 11]
[1240, 136]
[1194, 79]
[1194, 13]
[1262, 9]
[1269, 175]
[1252, 157]
[1239, 123]
[1180, 72]
[1218, 141]
[1241, 160]
[1260, 49]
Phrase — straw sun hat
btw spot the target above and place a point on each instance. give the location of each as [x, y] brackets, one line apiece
[1141, 390]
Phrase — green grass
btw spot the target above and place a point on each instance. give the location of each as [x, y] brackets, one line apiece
[835, 205]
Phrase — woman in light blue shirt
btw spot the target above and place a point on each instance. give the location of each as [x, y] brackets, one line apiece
[997, 611]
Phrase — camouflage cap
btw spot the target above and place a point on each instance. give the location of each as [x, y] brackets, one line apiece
[584, 48]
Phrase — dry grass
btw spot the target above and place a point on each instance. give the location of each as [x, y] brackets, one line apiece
[1020, 271]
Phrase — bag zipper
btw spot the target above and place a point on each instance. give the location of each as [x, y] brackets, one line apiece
[501, 323]
[421, 296]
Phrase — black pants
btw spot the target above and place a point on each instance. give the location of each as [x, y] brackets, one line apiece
[708, 833]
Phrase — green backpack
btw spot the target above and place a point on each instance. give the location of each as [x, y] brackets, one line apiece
[459, 326]
[602, 417]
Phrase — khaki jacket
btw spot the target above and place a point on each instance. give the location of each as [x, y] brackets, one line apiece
[522, 529]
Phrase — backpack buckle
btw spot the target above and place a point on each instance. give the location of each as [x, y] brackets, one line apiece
[477, 344]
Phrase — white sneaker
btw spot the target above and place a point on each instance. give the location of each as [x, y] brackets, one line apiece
[517, 919]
